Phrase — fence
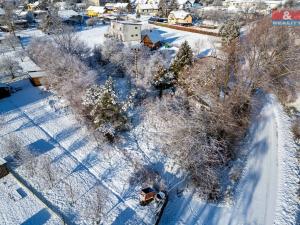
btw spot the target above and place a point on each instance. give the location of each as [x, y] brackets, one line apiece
[188, 29]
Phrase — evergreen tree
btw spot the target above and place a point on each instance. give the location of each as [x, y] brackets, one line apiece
[183, 57]
[230, 31]
[106, 112]
[163, 79]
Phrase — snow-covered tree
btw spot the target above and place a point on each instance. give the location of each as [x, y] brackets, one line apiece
[9, 67]
[104, 108]
[173, 5]
[68, 42]
[163, 79]
[183, 57]
[163, 8]
[230, 30]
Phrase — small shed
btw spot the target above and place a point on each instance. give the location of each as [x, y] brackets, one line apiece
[147, 195]
[3, 168]
[4, 90]
[152, 39]
[36, 77]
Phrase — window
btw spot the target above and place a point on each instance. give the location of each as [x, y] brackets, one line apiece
[132, 35]
[136, 35]
[135, 28]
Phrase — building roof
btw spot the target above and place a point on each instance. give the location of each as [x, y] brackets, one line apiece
[154, 36]
[67, 14]
[2, 161]
[148, 6]
[182, 2]
[128, 22]
[98, 9]
[180, 14]
[116, 5]
[29, 66]
[37, 74]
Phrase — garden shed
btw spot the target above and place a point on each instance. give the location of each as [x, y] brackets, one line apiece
[3, 168]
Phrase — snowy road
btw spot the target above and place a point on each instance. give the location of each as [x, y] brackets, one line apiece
[262, 192]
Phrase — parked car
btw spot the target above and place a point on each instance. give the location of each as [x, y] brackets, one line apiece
[157, 19]
[5, 90]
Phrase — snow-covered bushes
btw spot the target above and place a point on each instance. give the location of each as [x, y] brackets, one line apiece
[230, 30]
[272, 60]
[67, 74]
[9, 67]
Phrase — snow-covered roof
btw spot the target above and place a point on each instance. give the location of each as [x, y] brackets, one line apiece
[2, 161]
[182, 2]
[98, 9]
[35, 4]
[29, 66]
[37, 74]
[67, 14]
[148, 6]
[121, 5]
[116, 5]
[180, 14]
[154, 36]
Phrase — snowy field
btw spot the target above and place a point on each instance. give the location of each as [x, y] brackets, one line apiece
[30, 115]
[19, 206]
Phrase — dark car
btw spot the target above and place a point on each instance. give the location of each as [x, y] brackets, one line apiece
[154, 19]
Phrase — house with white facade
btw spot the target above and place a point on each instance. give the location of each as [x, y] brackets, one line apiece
[125, 31]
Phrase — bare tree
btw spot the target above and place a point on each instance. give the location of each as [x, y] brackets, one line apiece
[10, 67]
[68, 42]
[94, 211]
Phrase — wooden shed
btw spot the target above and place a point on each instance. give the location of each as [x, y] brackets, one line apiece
[36, 77]
[147, 195]
[3, 168]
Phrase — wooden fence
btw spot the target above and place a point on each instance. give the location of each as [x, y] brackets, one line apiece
[188, 29]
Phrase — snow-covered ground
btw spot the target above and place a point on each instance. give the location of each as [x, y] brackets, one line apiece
[19, 206]
[29, 114]
[200, 43]
[266, 193]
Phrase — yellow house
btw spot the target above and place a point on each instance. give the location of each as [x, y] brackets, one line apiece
[180, 17]
[95, 11]
[32, 6]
